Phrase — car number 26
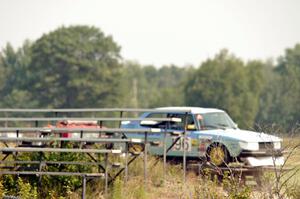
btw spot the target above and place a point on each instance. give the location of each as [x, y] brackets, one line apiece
[180, 144]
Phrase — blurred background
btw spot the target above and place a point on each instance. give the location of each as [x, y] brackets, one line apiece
[240, 56]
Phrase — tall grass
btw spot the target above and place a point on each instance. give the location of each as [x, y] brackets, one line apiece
[170, 184]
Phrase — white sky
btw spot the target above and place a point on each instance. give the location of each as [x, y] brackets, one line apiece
[164, 31]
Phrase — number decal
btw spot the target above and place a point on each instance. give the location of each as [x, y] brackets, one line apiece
[179, 144]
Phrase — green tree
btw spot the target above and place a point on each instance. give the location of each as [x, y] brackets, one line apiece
[226, 82]
[149, 87]
[170, 84]
[76, 66]
[284, 90]
[14, 76]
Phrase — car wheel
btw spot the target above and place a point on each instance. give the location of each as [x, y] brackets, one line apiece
[218, 155]
[135, 148]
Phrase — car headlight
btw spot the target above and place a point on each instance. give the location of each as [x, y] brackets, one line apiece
[277, 145]
[252, 146]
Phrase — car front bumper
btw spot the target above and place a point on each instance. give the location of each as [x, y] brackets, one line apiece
[263, 161]
[261, 153]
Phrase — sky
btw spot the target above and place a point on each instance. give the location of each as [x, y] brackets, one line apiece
[164, 32]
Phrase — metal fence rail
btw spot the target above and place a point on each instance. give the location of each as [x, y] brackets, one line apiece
[76, 130]
[64, 150]
[110, 119]
[50, 139]
[51, 173]
[84, 110]
[26, 128]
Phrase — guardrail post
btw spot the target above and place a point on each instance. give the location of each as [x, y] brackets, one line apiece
[81, 136]
[40, 168]
[106, 174]
[165, 154]
[83, 186]
[101, 125]
[121, 116]
[126, 161]
[145, 158]
[184, 148]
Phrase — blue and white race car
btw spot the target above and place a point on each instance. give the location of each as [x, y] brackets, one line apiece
[210, 134]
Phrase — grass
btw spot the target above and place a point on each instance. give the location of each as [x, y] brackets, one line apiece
[197, 187]
[292, 161]
[172, 186]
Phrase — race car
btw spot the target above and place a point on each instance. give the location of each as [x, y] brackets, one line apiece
[211, 135]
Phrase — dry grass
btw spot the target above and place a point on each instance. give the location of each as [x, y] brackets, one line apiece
[195, 186]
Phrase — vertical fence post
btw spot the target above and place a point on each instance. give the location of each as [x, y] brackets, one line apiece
[83, 186]
[126, 162]
[165, 153]
[101, 125]
[18, 143]
[106, 174]
[184, 148]
[145, 158]
[40, 169]
[121, 116]
[81, 136]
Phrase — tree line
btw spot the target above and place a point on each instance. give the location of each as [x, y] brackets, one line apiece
[80, 66]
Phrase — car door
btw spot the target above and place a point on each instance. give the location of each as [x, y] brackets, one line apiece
[175, 136]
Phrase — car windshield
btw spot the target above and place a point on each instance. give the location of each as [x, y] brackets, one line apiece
[215, 120]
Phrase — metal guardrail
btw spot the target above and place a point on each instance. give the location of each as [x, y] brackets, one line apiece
[76, 130]
[55, 130]
[65, 150]
[51, 173]
[113, 119]
[85, 110]
[84, 176]
[50, 162]
[51, 139]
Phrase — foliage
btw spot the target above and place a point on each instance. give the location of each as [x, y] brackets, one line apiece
[235, 188]
[226, 82]
[148, 86]
[49, 186]
[79, 66]
[284, 90]
[26, 191]
[14, 74]
[117, 189]
[76, 66]
[2, 190]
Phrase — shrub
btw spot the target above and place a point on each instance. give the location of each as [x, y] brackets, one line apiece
[26, 191]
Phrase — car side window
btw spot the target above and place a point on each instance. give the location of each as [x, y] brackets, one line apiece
[161, 124]
[180, 125]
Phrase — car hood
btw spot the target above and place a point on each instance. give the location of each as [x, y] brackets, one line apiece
[241, 135]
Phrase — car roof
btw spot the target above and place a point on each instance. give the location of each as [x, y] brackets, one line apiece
[190, 109]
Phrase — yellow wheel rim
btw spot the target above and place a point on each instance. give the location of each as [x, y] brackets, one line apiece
[217, 155]
[136, 148]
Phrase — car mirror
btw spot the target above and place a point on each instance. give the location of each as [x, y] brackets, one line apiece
[235, 125]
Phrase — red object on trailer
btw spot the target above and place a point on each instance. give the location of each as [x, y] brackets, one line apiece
[77, 124]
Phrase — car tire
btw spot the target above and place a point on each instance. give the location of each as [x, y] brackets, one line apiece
[135, 149]
[217, 155]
